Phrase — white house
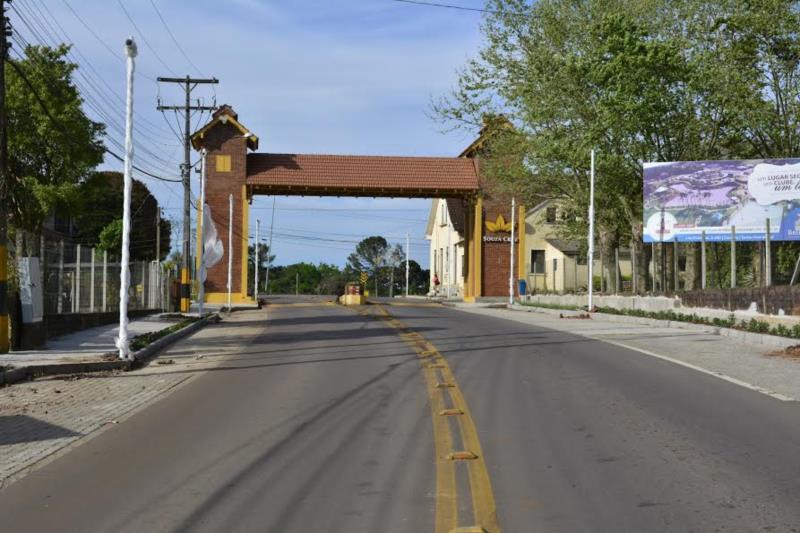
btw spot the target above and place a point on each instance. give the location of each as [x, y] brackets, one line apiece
[445, 234]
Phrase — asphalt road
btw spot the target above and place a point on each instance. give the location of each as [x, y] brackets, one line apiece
[323, 421]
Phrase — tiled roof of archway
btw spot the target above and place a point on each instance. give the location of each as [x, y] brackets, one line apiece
[361, 175]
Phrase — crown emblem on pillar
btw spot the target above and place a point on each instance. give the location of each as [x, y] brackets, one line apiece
[498, 225]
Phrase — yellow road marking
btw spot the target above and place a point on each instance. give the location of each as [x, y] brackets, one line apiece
[300, 304]
[483, 502]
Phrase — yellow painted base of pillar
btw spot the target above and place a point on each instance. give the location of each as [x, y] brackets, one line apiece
[352, 299]
[221, 298]
[469, 299]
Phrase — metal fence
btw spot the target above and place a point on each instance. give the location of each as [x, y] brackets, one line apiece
[83, 279]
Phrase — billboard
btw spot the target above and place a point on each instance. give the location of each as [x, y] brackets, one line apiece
[684, 198]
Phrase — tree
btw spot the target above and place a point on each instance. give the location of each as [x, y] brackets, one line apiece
[644, 80]
[98, 217]
[370, 256]
[264, 259]
[46, 158]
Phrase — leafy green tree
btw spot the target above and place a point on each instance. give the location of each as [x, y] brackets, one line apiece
[264, 259]
[370, 256]
[46, 158]
[98, 217]
[643, 80]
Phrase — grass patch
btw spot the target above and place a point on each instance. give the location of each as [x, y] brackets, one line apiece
[753, 325]
[552, 306]
[146, 339]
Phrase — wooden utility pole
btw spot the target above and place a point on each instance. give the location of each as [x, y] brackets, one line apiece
[189, 84]
[5, 32]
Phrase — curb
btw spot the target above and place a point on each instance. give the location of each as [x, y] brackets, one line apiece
[746, 337]
[138, 360]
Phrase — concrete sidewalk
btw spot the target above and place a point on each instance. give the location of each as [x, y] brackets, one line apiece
[85, 345]
[746, 365]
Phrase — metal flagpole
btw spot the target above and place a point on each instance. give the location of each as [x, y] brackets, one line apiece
[408, 251]
[269, 247]
[125, 273]
[255, 277]
[202, 223]
[230, 248]
[511, 263]
[591, 235]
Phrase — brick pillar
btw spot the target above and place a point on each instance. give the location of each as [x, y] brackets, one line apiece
[227, 174]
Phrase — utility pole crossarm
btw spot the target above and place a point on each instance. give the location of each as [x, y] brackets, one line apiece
[183, 108]
[187, 79]
[188, 84]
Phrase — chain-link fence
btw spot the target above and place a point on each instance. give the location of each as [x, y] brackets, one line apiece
[84, 279]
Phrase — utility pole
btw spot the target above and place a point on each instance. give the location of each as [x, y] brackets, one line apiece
[255, 277]
[269, 247]
[125, 272]
[5, 32]
[189, 84]
[158, 255]
[407, 252]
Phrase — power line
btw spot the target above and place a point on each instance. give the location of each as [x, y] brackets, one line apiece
[60, 126]
[174, 40]
[448, 6]
[153, 50]
[100, 40]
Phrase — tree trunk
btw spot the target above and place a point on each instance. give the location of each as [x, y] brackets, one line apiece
[608, 243]
[693, 271]
[638, 251]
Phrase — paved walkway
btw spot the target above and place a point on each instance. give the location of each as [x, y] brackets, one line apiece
[747, 365]
[85, 345]
[41, 419]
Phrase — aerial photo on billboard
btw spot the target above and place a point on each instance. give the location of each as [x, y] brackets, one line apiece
[683, 199]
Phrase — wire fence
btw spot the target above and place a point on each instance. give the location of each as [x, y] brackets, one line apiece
[81, 279]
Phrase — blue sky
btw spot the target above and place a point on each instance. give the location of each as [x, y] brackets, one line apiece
[308, 76]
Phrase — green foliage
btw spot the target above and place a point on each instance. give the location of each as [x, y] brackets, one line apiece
[98, 216]
[641, 80]
[46, 161]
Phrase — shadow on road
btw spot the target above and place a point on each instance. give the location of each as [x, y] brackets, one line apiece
[18, 429]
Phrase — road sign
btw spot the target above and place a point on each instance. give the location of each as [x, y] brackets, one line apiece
[364, 278]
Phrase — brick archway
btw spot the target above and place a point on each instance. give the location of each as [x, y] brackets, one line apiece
[235, 168]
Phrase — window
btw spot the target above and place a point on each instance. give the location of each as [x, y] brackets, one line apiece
[444, 212]
[223, 163]
[537, 262]
[551, 215]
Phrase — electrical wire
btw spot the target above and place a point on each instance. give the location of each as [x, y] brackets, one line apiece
[144, 39]
[174, 40]
[46, 110]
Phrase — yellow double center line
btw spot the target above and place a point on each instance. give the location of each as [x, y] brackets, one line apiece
[433, 366]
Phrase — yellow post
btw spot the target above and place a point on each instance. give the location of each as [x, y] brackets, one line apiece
[245, 229]
[469, 253]
[521, 247]
[477, 221]
[5, 343]
[185, 290]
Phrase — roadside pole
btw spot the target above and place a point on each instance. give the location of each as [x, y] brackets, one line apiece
[269, 247]
[703, 260]
[297, 284]
[201, 290]
[125, 273]
[511, 253]
[407, 253]
[591, 234]
[230, 248]
[5, 340]
[733, 257]
[255, 277]
[768, 257]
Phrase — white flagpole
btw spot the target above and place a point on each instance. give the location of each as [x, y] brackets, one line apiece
[591, 235]
[408, 252]
[202, 224]
[230, 248]
[125, 273]
[511, 264]
[258, 242]
[269, 247]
